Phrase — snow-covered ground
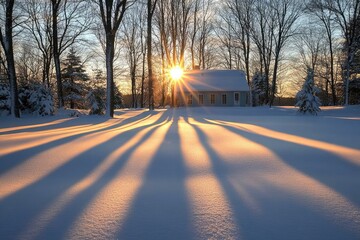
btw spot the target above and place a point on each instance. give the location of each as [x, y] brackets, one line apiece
[212, 173]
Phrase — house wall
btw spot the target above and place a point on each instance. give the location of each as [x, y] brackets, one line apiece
[182, 99]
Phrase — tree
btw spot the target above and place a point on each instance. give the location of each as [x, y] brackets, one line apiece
[307, 101]
[318, 8]
[258, 88]
[242, 11]
[345, 12]
[286, 12]
[74, 78]
[150, 12]
[69, 21]
[39, 26]
[133, 41]
[112, 13]
[262, 35]
[6, 39]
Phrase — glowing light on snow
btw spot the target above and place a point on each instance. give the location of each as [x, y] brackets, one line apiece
[10, 142]
[32, 126]
[353, 155]
[45, 217]
[211, 211]
[176, 73]
[44, 163]
[105, 215]
[267, 170]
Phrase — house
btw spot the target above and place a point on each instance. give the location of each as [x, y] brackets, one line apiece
[212, 88]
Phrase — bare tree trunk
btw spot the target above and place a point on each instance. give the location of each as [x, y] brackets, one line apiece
[143, 49]
[194, 32]
[112, 14]
[56, 52]
[150, 8]
[7, 44]
[110, 51]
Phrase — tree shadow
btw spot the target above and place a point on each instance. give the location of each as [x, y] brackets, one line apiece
[160, 208]
[266, 206]
[11, 160]
[61, 179]
[319, 164]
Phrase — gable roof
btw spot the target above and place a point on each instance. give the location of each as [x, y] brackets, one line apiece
[213, 80]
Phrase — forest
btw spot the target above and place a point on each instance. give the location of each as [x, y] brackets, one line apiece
[101, 55]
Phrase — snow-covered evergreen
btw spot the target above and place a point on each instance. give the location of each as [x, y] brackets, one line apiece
[4, 99]
[307, 101]
[258, 88]
[96, 100]
[41, 101]
[74, 80]
[36, 99]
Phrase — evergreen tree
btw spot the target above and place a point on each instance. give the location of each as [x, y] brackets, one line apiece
[118, 98]
[5, 103]
[96, 96]
[258, 88]
[74, 80]
[307, 101]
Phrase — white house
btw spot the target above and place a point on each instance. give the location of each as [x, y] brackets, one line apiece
[212, 88]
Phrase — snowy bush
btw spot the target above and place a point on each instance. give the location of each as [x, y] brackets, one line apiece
[5, 99]
[96, 99]
[36, 99]
[307, 101]
[41, 101]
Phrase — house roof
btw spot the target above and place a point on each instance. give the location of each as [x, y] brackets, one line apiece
[213, 80]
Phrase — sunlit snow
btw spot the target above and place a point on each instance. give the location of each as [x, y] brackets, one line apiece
[196, 173]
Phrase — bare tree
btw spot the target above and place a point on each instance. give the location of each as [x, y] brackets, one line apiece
[39, 25]
[133, 41]
[262, 34]
[345, 12]
[286, 14]
[151, 4]
[242, 12]
[143, 56]
[112, 13]
[318, 8]
[194, 30]
[205, 29]
[69, 22]
[6, 39]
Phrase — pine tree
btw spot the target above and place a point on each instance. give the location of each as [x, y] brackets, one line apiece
[96, 96]
[258, 88]
[74, 78]
[307, 101]
[5, 103]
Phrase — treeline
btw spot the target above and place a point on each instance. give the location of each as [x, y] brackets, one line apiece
[135, 43]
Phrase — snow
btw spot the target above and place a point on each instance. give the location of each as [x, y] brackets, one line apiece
[196, 173]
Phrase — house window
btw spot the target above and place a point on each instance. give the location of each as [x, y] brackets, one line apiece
[212, 99]
[237, 97]
[223, 99]
[201, 99]
[189, 99]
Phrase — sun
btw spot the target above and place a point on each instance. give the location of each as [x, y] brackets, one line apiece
[176, 73]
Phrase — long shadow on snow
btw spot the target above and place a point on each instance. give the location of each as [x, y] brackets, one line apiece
[251, 224]
[78, 204]
[160, 209]
[29, 204]
[11, 160]
[324, 167]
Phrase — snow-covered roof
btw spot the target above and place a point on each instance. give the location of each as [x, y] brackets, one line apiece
[213, 80]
